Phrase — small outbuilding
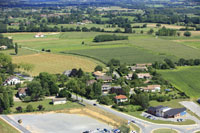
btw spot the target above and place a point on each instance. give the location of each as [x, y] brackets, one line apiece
[57, 101]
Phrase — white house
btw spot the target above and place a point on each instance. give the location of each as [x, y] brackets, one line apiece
[12, 81]
[144, 75]
[151, 88]
[57, 101]
[121, 98]
[160, 112]
[39, 35]
[3, 47]
[105, 88]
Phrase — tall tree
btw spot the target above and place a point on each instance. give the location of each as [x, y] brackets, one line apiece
[16, 48]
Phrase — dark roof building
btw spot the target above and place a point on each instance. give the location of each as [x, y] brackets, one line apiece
[152, 110]
[173, 113]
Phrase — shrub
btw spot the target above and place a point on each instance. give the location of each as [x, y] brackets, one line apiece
[29, 108]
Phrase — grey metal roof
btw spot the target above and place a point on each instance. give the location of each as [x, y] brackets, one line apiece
[173, 112]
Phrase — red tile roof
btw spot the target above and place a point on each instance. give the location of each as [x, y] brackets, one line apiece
[121, 97]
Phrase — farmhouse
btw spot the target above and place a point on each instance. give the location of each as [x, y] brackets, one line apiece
[105, 78]
[98, 74]
[151, 88]
[144, 75]
[105, 88]
[3, 47]
[22, 92]
[59, 101]
[121, 98]
[12, 81]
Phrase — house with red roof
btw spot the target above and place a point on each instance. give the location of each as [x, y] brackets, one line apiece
[121, 98]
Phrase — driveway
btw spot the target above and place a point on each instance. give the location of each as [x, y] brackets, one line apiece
[195, 108]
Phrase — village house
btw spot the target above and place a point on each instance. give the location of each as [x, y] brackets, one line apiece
[105, 88]
[14, 24]
[121, 98]
[134, 68]
[166, 112]
[80, 23]
[143, 75]
[98, 74]
[12, 81]
[151, 88]
[143, 65]
[91, 82]
[57, 101]
[105, 78]
[87, 21]
[129, 76]
[22, 92]
[3, 47]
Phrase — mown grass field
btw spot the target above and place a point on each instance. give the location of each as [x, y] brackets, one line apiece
[46, 104]
[185, 79]
[163, 130]
[6, 128]
[54, 63]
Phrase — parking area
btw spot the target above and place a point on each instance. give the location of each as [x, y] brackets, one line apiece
[59, 123]
[195, 108]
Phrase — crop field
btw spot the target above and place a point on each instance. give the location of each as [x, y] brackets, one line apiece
[54, 63]
[185, 79]
[129, 55]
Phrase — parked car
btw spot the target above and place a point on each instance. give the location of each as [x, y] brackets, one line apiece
[94, 104]
[133, 121]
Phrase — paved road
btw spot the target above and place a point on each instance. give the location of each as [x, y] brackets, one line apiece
[195, 108]
[145, 126]
[15, 124]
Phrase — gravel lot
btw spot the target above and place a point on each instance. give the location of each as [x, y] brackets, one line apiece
[58, 123]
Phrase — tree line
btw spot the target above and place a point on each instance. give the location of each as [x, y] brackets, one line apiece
[104, 38]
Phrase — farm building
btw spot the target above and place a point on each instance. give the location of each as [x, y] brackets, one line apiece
[3, 47]
[22, 92]
[121, 98]
[12, 81]
[67, 72]
[57, 101]
[141, 68]
[39, 35]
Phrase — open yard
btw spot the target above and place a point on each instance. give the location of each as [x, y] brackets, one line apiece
[47, 105]
[54, 63]
[6, 128]
[58, 122]
[185, 79]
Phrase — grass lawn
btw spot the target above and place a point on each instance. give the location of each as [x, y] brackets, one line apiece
[173, 103]
[163, 130]
[20, 52]
[185, 79]
[46, 104]
[55, 63]
[6, 128]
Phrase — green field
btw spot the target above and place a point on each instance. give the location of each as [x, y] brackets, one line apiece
[162, 130]
[138, 49]
[6, 128]
[46, 104]
[185, 79]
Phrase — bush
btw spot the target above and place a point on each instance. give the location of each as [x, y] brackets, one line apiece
[98, 68]
[40, 108]
[29, 108]
[19, 109]
[187, 34]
